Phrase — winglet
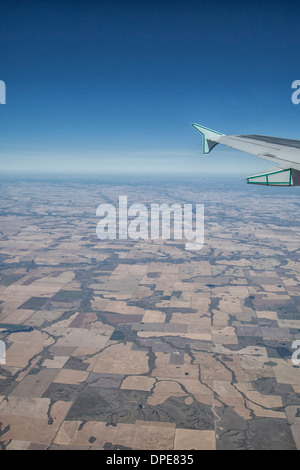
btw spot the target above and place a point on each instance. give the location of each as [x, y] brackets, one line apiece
[210, 137]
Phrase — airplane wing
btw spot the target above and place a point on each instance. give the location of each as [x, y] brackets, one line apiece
[285, 153]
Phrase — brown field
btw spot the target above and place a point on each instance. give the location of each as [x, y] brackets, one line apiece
[123, 344]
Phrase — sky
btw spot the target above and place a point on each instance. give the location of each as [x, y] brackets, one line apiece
[112, 86]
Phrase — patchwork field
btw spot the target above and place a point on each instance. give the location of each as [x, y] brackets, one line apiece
[141, 344]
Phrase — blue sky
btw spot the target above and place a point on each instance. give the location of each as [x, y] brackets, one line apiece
[113, 86]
